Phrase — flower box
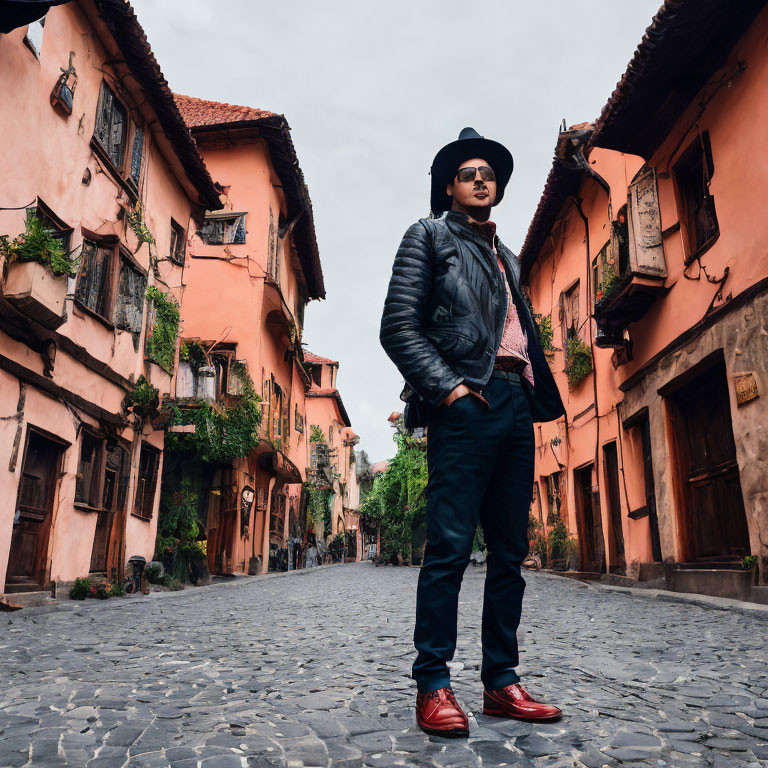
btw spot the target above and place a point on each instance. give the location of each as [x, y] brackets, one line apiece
[33, 289]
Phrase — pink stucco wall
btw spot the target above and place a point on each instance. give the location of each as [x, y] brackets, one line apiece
[46, 154]
[734, 118]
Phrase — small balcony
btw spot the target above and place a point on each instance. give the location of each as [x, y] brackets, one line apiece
[628, 275]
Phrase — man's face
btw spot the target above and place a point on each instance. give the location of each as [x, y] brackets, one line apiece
[474, 192]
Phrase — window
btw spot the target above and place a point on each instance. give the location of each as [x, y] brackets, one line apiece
[178, 243]
[111, 286]
[34, 36]
[53, 224]
[146, 481]
[137, 153]
[693, 173]
[610, 268]
[277, 410]
[554, 499]
[88, 481]
[569, 312]
[111, 125]
[94, 284]
[208, 379]
[223, 229]
[273, 253]
[277, 514]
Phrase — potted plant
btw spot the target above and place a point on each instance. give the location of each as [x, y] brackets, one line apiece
[578, 361]
[562, 547]
[38, 268]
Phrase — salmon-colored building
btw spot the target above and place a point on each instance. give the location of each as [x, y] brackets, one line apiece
[252, 266]
[332, 458]
[646, 255]
[99, 173]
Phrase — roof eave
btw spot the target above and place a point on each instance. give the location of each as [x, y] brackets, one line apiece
[276, 133]
[686, 42]
[122, 23]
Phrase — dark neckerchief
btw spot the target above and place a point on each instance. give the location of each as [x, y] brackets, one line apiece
[486, 230]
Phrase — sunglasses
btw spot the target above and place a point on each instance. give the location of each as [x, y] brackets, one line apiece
[468, 173]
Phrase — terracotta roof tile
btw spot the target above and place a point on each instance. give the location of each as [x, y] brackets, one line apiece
[197, 112]
[311, 357]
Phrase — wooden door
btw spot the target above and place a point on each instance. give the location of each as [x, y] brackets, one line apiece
[611, 472]
[715, 521]
[106, 537]
[591, 543]
[34, 509]
[650, 489]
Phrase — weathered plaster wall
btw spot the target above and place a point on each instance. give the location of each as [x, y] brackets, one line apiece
[44, 153]
[742, 335]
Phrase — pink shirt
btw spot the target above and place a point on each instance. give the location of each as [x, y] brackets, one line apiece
[514, 343]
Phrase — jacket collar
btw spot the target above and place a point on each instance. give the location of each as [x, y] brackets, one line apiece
[458, 223]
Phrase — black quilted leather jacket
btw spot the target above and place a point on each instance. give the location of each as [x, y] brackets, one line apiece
[445, 310]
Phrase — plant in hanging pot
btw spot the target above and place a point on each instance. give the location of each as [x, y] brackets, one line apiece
[143, 400]
[578, 361]
[37, 272]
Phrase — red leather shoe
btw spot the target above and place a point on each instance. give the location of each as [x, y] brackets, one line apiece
[439, 713]
[515, 701]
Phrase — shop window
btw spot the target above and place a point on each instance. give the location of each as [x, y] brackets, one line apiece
[111, 125]
[693, 173]
[569, 312]
[223, 229]
[178, 243]
[277, 515]
[146, 481]
[88, 480]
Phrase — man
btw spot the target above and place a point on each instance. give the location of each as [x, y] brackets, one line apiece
[457, 328]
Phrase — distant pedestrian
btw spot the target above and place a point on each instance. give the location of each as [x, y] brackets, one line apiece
[456, 326]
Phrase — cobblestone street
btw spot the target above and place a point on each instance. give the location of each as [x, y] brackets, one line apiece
[312, 669]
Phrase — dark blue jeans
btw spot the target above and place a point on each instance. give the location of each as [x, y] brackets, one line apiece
[480, 468]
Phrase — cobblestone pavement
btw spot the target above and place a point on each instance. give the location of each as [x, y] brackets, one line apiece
[311, 669]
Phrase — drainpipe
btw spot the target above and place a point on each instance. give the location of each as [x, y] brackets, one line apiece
[265, 536]
[577, 203]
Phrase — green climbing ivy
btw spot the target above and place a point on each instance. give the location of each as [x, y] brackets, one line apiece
[143, 399]
[578, 360]
[544, 325]
[317, 507]
[36, 243]
[135, 218]
[224, 431]
[161, 342]
[316, 434]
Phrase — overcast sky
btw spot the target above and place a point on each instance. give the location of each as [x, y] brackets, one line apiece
[371, 91]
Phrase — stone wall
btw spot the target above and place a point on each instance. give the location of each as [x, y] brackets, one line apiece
[742, 336]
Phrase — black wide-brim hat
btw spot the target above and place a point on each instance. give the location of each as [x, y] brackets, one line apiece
[447, 161]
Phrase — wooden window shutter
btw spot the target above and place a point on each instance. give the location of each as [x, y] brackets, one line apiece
[646, 250]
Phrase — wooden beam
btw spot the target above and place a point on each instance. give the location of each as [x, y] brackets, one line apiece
[19, 327]
[60, 393]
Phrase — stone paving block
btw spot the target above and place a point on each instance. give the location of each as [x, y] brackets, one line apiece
[677, 680]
